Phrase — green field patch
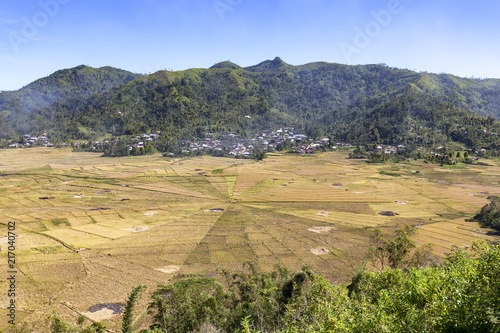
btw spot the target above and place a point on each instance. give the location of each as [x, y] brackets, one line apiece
[222, 256]
[389, 173]
[61, 223]
[243, 253]
[200, 255]
[50, 249]
[236, 239]
[44, 168]
[230, 183]
[214, 239]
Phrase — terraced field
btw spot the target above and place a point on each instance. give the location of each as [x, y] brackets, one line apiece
[91, 228]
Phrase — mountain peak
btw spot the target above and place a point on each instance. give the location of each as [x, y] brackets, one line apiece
[278, 62]
[226, 64]
[268, 65]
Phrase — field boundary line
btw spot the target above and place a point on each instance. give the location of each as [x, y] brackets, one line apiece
[198, 243]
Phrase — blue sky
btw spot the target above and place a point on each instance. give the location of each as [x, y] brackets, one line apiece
[39, 37]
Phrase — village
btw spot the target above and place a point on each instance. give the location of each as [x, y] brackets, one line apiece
[29, 140]
[227, 144]
[267, 141]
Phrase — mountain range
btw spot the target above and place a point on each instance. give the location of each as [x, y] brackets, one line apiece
[363, 103]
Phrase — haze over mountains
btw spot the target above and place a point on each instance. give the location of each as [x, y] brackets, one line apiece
[319, 98]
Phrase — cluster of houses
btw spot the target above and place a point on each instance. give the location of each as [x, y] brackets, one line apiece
[387, 149]
[138, 142]
[267, 140]
[141, 140]
[32, 140]
[230, 144]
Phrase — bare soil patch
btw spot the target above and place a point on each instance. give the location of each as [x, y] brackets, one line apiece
[320, 251]
[319, 230]
[137, 229]
[169, 269]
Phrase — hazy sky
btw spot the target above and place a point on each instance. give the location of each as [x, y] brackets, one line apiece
[39, 37]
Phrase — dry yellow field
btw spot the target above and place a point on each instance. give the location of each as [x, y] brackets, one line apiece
[91, 228]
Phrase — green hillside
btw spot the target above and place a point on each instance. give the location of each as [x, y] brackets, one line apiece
[319, 99]
[79, 82]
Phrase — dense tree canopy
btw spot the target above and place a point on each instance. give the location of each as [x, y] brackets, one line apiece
[489, 215]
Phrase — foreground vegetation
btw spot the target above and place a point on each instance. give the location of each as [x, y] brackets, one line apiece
[459, 295]
[489, 216]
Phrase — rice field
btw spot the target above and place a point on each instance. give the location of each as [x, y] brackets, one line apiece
[91, 228]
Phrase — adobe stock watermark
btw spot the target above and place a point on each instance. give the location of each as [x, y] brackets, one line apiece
[363, 37]
[223, 6]
[31, 27]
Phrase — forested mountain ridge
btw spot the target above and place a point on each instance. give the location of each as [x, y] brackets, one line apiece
[318, 98]
[78, 82]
